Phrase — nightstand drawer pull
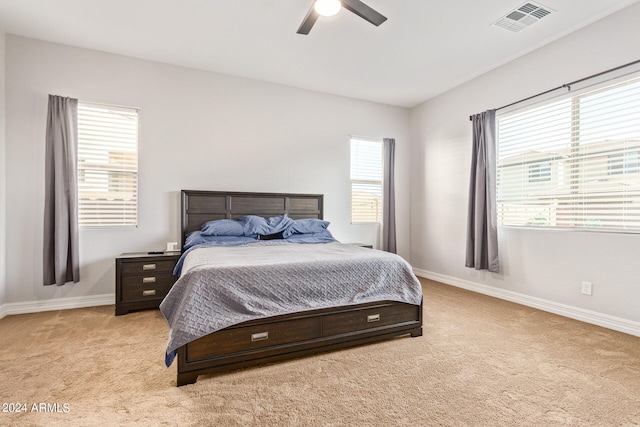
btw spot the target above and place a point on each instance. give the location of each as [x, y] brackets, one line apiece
[260, 336]
[148, 280]
[148, 266]
[373, 318]
[149, 293]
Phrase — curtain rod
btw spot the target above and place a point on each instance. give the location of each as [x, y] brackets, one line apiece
[568, 85]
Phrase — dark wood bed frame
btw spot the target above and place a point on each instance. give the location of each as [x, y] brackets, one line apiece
[282, 337]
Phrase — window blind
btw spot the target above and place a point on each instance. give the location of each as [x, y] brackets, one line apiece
[366, 181]
[573, 162]
[107, 165]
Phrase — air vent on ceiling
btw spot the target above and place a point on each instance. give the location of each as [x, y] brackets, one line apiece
[520, 18]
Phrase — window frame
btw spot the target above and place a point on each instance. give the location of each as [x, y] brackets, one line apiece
[617, 159]
[364, 181]
[107, 171]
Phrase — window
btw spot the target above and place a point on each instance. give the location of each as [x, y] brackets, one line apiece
[573, 162]
[366, 180]
[107, 165]
[540, 171]
[622, 163]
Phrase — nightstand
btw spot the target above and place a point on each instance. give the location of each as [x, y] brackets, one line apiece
[143, 280]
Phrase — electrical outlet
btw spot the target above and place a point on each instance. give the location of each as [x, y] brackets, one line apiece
[587, 288]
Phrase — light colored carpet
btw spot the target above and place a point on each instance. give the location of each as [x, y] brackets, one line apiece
[481, 362]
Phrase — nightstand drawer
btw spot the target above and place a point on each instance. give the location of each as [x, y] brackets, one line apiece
[147, 280]
[144, 267]
[146, 291]
[349, 321]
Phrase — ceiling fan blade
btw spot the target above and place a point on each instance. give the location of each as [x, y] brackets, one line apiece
[364, 11]
[308, 21]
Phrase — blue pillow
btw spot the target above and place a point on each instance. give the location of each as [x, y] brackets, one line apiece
[253, 225]
[280, 223]
[324, 236]
[192, 238]
[222, 227]
[306, 226]
[256, 225]
[197, 238]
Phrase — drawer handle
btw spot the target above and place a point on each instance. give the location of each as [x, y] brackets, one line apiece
[148, 280]
[148, 266]
[373, 318]
[149, 293]
[260, 336]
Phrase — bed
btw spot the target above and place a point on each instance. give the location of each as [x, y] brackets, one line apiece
[308, 319]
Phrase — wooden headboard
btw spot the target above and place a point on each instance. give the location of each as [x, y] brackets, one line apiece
[199, 207]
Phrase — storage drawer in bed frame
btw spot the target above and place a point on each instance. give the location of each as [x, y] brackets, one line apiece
[285, 337]
[254, 337]
[368, 318]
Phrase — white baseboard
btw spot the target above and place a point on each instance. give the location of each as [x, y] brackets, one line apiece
[56, 304]
[611, 322]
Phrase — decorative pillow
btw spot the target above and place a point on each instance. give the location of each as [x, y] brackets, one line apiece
[222, 227]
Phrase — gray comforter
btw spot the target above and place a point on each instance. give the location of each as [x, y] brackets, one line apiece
[224, 286]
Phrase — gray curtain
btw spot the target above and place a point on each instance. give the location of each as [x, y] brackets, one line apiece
[482, 235]
[388, 197]
[61, 264]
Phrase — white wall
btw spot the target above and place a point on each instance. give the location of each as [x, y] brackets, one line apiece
[198, 130]
[549, 265]
[3, 202]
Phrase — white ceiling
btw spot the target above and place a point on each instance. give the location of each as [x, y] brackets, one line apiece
[424, 48]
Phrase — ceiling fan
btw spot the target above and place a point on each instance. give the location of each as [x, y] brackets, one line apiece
[332, 7]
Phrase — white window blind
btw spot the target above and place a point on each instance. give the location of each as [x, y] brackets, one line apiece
[573, 162]
[107, 165]
[366, 181]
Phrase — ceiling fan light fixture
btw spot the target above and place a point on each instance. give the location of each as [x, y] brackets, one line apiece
[327, 7]
[331, 7]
